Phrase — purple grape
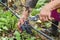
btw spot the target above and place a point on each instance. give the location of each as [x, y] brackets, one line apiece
[26, 27]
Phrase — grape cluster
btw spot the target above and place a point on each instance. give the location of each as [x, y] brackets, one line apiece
[26, 27]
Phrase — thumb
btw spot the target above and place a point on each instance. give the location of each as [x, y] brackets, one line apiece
[49, 17]
[19, 27]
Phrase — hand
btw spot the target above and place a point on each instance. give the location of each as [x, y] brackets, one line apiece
[20, 22]
[24, 26]
[45, 15]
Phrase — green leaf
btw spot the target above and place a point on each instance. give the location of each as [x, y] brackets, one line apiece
[5, 28]
[35, 11]
[17, 34]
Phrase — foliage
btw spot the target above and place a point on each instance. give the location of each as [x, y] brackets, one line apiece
[7, 21]
[17, 35]
[38, 7]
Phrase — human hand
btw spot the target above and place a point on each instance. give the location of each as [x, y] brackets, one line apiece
[20, 22]
[45, 15]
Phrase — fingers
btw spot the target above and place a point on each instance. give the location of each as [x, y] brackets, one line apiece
[19, 25]
[50, 18]
[45, 17]
[20, 22]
